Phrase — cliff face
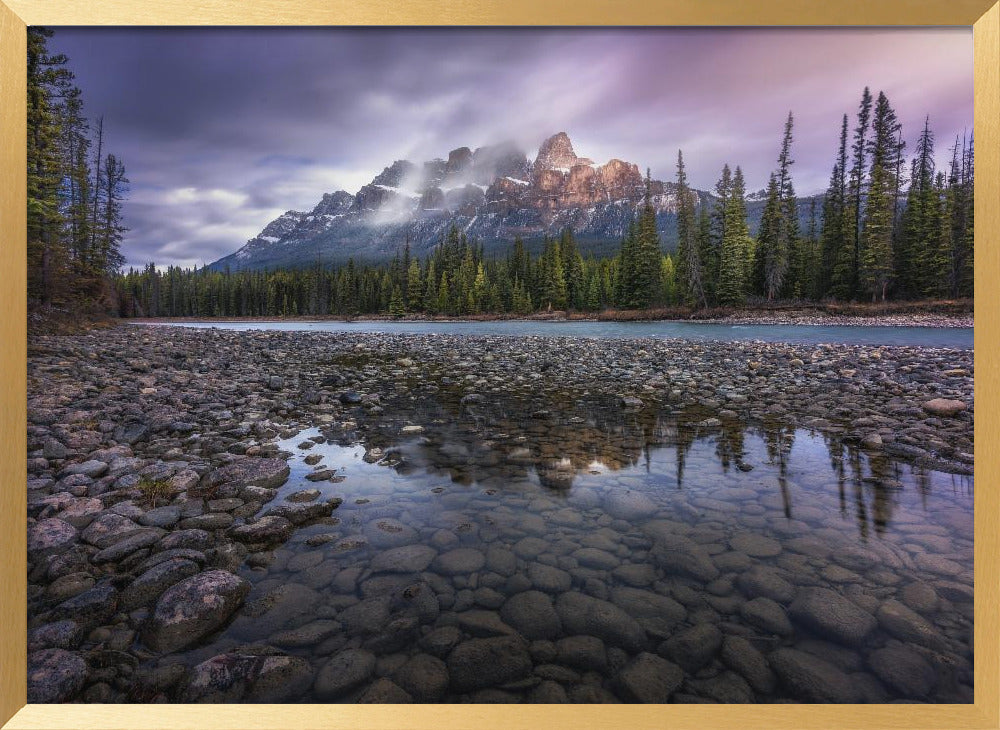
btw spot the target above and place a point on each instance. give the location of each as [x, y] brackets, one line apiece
[493, 194]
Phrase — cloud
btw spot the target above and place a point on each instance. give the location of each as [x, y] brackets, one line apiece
[223, 129]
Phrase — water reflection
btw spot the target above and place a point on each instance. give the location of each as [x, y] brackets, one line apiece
[496, 440]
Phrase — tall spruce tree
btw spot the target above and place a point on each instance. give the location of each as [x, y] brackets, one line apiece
[836, 276]
[690, 273]
[778, 238]
[876, 253]
[856, 188]
[733, 254]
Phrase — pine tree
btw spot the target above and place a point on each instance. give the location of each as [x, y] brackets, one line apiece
[918, 224]
[778, 238]
[713, 254]
[646, 275]
[414, 286]
[837, 252]
[856, 188]
[690, 273]
[47, 79]
[731, 286]
[880, 210]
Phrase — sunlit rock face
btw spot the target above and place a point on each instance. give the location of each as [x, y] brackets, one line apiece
[493, 194]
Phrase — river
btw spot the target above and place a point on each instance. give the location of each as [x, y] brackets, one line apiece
[945, 337]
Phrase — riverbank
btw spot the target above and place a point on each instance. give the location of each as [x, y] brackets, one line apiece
[957, 313]
[153, 478]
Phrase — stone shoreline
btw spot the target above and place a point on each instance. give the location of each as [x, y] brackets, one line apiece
[759, 317]
[121, 416]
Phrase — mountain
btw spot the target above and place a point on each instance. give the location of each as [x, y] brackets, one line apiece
[492, 194]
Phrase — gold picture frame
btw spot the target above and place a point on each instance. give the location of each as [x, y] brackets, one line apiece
[16, 14]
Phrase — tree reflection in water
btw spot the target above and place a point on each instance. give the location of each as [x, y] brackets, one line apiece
[555, 442]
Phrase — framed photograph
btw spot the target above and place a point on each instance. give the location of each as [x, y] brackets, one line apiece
[499, 366]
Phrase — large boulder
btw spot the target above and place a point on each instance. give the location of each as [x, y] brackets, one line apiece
[832, 616]
[239, 677]
[480, 663]
[649, 679]
[55, 675]
[343, 672]
[944, 407]
[268, 473]
[583, 614]
[49, 536]
[193, 608]
[532, 614]
[811, 679]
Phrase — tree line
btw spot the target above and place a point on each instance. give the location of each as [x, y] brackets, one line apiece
[75, 188]
[874, 235]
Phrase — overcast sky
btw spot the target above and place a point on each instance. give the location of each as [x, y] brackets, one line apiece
[222, 130]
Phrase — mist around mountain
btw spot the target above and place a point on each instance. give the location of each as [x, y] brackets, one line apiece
[492, 194]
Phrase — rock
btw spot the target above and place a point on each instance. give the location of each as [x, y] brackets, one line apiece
[92, 469]
[311, 634]
[254, 472]
[635, 574]
[547, 693]
[655, 613]
[548, 578]
[320, 475]
[152, 583]
[481, 663]
[109, 528]
[123, 548]
[628, 505]
[192, 609]
[384, 691]
[343, 672]
[484, 623]
[583, 614]
[389, 533]
[649, 679]
[630, 402]
[944, 407]
[81, 512]
[268, 530]
[238, 677]
[459, 561]
[63, 634]
[161, 516]
[131, 433]
[904, 670]
[501, 561]
[907, 625]
[679, 555]
[919, 596]
[693, 648]
[761, 581]
[767, 615]
[740, 655]
[299, 514]
[832, 616]
[441, 641]
[406, 559]
[54, 449]
[49, 536]
[754, 545]
[532, 614]
[586, 653]
[90, 608]
[423, 677]
[596, 559]
[811, 679]
[55, 675]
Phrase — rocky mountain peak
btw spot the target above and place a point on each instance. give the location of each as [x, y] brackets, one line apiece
[556, 153]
